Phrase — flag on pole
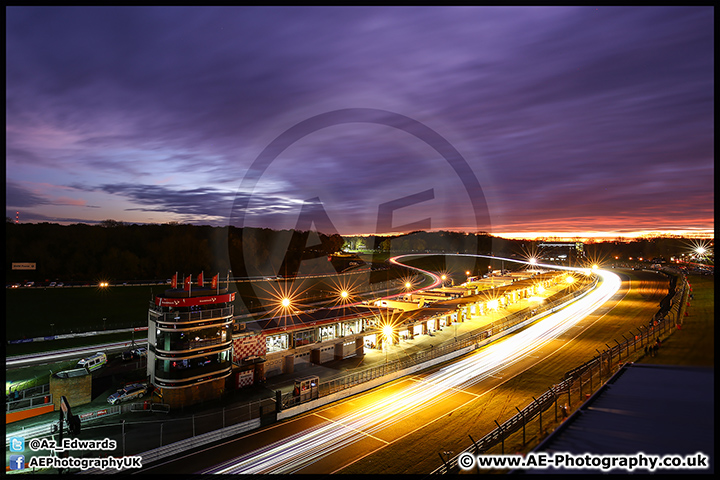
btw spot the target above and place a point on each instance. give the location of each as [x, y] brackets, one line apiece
[215, 283]
[174, 281]
[188, 280]
[201, 280]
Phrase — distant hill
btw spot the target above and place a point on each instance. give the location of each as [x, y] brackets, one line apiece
[129, 252]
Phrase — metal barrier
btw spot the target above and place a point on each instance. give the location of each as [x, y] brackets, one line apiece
[149, 407]
[26, 403]
[575, 380]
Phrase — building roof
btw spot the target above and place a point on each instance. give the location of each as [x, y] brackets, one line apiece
[301, 320]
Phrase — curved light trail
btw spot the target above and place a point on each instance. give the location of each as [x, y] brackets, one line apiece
[437, 281]
[297, 452]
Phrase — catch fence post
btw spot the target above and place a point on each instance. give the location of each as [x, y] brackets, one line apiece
[539, 413]
[523, 420]
[502, 438]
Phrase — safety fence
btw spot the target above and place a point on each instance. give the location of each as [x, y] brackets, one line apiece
[154, 438]
[26, 403]
[151, 456]
[580, 382]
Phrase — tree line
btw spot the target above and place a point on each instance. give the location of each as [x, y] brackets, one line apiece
[126, 252]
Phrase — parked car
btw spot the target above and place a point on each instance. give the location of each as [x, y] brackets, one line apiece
[127, 393]
[134, 353]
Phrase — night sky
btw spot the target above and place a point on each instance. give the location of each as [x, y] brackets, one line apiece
[567, 120]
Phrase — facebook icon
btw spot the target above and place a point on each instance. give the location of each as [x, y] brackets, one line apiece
[17, 462]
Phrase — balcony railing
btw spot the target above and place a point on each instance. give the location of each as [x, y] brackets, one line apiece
[196, 316]
[176, 347]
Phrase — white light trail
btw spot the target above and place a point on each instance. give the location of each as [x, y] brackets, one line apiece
[67, 354]
[297, 452]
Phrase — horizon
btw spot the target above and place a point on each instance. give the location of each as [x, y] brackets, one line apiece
[585, 237]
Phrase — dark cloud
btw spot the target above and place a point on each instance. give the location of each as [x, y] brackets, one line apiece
[17, 196]
[200, 202]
